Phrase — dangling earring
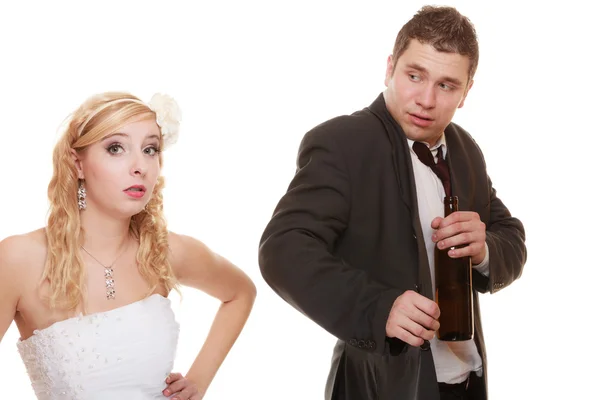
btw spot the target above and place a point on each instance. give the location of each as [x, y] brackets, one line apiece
[81, 196]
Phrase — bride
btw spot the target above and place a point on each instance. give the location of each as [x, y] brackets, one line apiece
[88, 292]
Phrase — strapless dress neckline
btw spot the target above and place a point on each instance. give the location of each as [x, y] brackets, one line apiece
[126, 352]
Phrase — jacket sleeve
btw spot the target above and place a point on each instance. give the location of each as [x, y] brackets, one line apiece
[505, 237]
[296, 254]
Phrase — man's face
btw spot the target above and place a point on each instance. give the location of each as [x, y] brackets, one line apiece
[425, 89]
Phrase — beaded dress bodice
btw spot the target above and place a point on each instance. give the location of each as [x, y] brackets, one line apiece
[123, 353]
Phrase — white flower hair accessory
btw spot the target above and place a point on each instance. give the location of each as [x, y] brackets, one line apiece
[168, 116]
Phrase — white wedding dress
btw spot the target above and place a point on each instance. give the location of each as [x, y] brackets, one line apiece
[125, 353]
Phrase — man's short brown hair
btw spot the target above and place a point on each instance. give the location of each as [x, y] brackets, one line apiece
[445, 29]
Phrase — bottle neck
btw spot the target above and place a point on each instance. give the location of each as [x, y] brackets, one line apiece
[450, 205]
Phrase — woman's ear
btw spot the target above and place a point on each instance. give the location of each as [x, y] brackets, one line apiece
[78, 164]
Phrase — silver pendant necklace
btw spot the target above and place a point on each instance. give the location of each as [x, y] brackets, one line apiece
[108, 274]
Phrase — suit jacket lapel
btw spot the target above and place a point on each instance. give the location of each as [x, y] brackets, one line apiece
[393, 132]
[406, 181]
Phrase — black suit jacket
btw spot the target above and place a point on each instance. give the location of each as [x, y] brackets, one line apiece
[345, 241]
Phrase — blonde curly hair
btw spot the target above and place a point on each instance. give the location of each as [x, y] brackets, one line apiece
[64, 268]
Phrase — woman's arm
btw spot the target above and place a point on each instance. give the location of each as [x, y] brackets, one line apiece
[195, 265]
[11, 251]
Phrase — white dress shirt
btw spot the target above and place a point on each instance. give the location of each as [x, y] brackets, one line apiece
[453, 360]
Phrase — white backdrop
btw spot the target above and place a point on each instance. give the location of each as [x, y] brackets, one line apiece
[252, 78]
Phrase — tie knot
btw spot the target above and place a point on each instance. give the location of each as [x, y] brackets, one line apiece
[424, 154]
[440, 168]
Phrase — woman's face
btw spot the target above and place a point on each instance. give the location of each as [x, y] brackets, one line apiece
[120, 171]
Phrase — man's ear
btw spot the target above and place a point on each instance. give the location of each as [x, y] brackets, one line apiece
[389, 71]
[469, 86]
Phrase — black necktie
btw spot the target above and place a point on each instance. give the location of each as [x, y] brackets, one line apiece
[440, 169]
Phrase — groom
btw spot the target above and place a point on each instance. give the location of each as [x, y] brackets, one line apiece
[351, 243]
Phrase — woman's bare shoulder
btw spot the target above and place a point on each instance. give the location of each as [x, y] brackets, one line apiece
[187, 251]
[22, 251]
